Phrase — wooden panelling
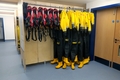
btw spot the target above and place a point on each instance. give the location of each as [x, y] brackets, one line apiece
[31, 52]
[45, 50]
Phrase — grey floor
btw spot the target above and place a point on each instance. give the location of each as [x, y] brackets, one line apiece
[12, 69]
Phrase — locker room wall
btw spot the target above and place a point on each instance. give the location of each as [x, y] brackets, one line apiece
[7, 12]
[8, 21]
[99, 3]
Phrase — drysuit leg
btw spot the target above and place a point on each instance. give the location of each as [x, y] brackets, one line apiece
[80, 49]
[66, 45]
[55, 48]
[80, 45]
[59, 48]
[55, 60]
[73, 51]
[86, 47]
[74, 39]
[86, 44]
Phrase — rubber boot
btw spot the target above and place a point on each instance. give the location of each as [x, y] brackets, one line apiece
[66, 60]
[55, 60]
[59, 65]
[89, 58]
[77, 62]
[86, 61]
[72, 66]
[64, 66]
[69, 63]
[76, 59]
[18, 43]
[81, 64]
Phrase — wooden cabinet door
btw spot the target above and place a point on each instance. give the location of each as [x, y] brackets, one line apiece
[116, 49]
[104, 39]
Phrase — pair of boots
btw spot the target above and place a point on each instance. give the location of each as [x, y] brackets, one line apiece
[72, 64]
[55, 60]
[81, 63]
[60, 64]
[87, 60]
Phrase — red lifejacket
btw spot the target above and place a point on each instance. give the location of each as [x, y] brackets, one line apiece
[40, 15]
[34, 17]
[56, 17]
[50, 17]
[27, 20]
[45, 17]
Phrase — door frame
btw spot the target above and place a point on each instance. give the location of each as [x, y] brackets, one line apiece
[92, 35]
[3, 29]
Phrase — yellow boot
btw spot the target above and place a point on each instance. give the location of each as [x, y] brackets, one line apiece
[72, 66]
[66, 60]
[78, 62]
[55, 60]
[81, 64]
[89, 58]
[86, 61]
[18, 44]
[76, 59]
[69, 64]
[64, 66]
[59, 65]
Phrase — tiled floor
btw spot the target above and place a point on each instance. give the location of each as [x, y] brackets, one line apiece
[12, 69]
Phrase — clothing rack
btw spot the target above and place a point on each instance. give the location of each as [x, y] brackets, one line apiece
[59, 7]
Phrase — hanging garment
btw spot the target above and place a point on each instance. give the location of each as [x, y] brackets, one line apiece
[18, 32]
[54, 32]
[59, 47]
[64, 24]
[45, 23]
[56, 21]
[90, 20]
[74, 37]
[56, 18]
[34, 23]
[50, 22]
[78, 23]
[18, 36]
[40, 17]
[28, 23]
[64, 21]
[87, 30]
[55, 60]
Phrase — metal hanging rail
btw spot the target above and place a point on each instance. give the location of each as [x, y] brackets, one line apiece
[57, 7]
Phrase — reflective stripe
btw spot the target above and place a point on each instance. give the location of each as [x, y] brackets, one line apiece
[66, 39]
[78, 42]
[74, 42]
[58, 42]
